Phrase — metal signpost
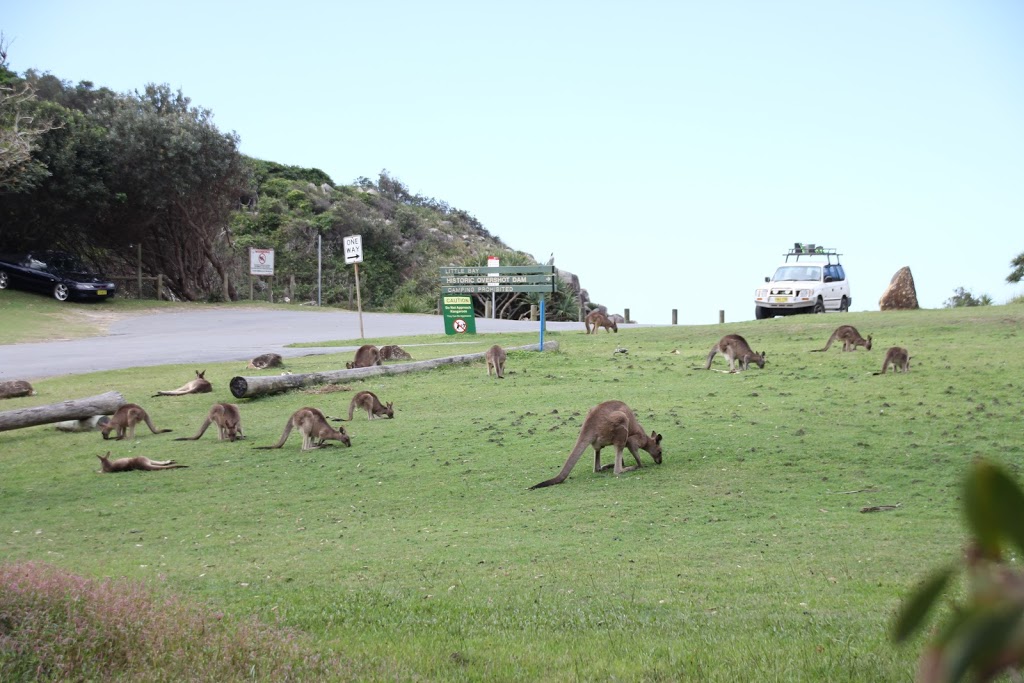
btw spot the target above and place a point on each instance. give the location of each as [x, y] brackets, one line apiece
[261, 262]
[354, 254]
[459, 283]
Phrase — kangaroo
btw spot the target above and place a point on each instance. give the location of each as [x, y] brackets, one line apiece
[368, 401]
[735, 348]
[139, 462]
[367, 356]
[850, 337]
[596, 319]
[267, 360]
[495, 357]
[86, 424]
[314, 428]
[15, 388]
[611, 423]
[899, 357]
[124, 420]
[228, 420]
[394, 352]
[200, 385]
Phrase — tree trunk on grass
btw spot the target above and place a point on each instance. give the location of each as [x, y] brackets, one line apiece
[254, 387]
[75, 409]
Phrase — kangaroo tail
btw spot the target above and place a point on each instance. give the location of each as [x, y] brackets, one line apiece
[577, 451]
[711, 355]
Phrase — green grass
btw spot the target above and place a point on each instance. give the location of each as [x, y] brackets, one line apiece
[419, 553]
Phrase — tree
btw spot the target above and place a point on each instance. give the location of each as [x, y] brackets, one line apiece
[1018, 269]
[962, 298]
[20, 130]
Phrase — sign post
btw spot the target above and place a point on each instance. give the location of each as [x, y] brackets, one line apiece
[496, 280]
[492, 262]
[261, 262]
[354, 254]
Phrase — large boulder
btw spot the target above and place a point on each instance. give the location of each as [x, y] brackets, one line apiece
[901, 294]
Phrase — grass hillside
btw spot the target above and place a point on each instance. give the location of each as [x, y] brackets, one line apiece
[419, 553]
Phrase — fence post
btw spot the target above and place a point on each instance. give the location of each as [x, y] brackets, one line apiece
[140, 269]
[159, 286]
[721, 317]
[627, 315]
[533, 312]
[675, 316]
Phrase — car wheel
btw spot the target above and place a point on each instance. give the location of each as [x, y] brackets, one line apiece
[3, 280]
[60, 292]
[844, 305]
[760, 312]
[819, 306]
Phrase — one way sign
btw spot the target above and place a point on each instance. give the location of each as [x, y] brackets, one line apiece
[353, 249]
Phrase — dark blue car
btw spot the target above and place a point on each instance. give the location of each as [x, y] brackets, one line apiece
[55, 273]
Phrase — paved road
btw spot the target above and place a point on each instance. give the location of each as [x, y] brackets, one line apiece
[222, 335]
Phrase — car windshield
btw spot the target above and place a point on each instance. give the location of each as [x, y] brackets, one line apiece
[798, 273]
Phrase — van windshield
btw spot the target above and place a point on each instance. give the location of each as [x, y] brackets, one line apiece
[804, 273]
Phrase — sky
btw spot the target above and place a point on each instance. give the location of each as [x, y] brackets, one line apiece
[667, 152]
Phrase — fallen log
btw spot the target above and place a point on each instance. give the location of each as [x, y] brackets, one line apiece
[74, 409]
[254, 387]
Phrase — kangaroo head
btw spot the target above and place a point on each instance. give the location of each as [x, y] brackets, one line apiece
[348, 365]
[200, 375]
[390, 411]
[868, 345]
[758, 358]
[106, 429]
[653, 446]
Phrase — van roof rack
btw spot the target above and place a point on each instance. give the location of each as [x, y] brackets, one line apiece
[811, 250]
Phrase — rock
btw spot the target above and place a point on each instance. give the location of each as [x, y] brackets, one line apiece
[900, 295]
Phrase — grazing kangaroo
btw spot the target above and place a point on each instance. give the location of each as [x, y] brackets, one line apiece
[850, 337]
[15, 388]
[394, 352]
[228, 420]
[139, 462]
[495, 357]
[899, 357]
[368, 401]
[86, 424]
[267, 360]
[124, 420]
[735, 348]
[199, 385]
[596, 319]
[611, 423]
[314, 428]
[367, 356]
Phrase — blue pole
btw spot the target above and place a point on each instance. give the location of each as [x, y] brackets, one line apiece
[541, 323]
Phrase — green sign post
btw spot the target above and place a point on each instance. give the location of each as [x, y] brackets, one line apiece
[458, 283]
[458, 314]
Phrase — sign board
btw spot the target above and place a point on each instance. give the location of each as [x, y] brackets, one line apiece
[458, 314]
[261, 261]
[493, 262]
[353, 249]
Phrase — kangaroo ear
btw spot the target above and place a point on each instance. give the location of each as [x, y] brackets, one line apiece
[657, 437]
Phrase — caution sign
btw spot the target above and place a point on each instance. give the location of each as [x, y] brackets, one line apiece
[458, 315]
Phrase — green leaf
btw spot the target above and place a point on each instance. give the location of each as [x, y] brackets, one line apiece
[980, 638]
[1009, 502]
[981, 509]
[917, 607]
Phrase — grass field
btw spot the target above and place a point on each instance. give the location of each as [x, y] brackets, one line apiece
[419, 553]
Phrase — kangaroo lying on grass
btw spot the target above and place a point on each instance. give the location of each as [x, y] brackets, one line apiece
[15, 388]
[313, 426]
[850, 337]
[735, 348]
[898, 357]
[139, 462]
[495, 357]
[611, 423]
[123, 422]
[367, 356]
[267, 360]
[596, 319]
[199, 385]
[86, 424]
[228, 420]
[368, 401]
[394, 352]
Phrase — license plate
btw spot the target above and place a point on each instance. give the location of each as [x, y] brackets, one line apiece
[101, 292]
[780, 299]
